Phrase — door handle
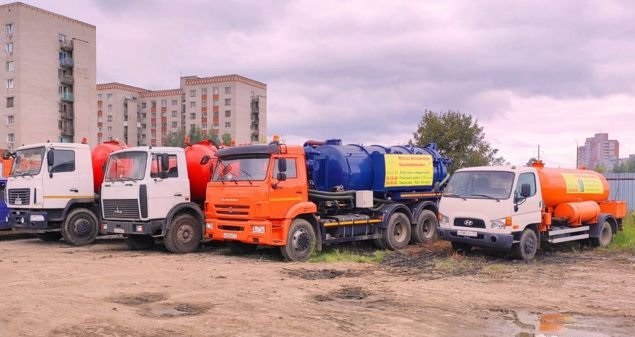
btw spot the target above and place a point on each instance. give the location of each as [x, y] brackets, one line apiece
[74, 190]
[178, 194]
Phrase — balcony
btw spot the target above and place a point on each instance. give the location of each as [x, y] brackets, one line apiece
[67, 130]
[66, 79]
[66, 45]
[66, 62]
[66, 97]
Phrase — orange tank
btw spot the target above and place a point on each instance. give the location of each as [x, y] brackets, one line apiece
[199, 174]
[578, 213]
[561, 186]
[99, 157]
[6, 164]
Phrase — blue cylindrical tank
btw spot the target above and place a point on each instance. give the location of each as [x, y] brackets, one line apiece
[333, 166]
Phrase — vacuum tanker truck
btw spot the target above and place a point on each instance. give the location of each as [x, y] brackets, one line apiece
[518, 208]
[300, 198]
[158, 192]
[52, 190]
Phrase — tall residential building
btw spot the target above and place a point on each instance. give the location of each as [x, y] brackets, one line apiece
[220, 106]
[49, 75]
[598, 149]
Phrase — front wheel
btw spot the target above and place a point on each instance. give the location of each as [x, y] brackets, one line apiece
[606, 236]
[183, 235]
[49, 236]
[425, 229]
[301, 241]
[139, 242]
[397, 234]
[80, 227]
[528, 246]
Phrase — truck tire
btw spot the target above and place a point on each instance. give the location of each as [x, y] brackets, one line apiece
[239, 248]
[183, 235]
[80, 227]
[606, 235]
[425, 229]
[139, 242]
[461, 247]
[528, 246]
[49, 236]
[397, 233]
[301, 241]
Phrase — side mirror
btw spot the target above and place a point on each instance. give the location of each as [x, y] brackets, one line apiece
[50, 158]
[281, 176]
[525, 190]
[165, 162]
[282, 165]
[3, 185]
[205, 159]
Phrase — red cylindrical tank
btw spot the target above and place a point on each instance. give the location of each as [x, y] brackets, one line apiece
[560, 186]
[578, 213]
[99, 157]
[199, 174]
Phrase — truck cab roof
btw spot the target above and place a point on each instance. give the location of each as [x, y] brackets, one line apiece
[54, 145]
[163, 149]
[266, 149]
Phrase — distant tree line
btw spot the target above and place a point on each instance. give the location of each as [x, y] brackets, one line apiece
[196, 135]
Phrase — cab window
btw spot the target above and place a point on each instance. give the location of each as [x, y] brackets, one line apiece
[173, 170]
[527, 178]
[291, 169]
[63, 161]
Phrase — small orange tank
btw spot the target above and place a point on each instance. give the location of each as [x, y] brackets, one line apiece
[578, 213]
[561, 186]
[199, 175]
[99, 157]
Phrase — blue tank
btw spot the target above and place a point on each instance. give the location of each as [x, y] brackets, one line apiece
[333, 166]
[4, 210]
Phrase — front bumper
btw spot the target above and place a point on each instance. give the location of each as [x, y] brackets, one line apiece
[242, 231]
[21, 220]
[483, 239]
[152, 227]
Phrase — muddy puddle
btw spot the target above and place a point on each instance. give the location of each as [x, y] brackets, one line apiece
[321, 274]
[530, 323]
[165, 310]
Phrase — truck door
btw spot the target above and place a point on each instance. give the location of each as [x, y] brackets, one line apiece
[164, 193]
[289, 191]
[529, 210]
[64, 180]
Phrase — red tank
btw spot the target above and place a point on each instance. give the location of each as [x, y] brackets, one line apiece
[99, 157]
[199, 174]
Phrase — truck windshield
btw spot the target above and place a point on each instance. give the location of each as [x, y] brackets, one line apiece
[126, 166]
[28, 162]
[241, 169]
[480, 184]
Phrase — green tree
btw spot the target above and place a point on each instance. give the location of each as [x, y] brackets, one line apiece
[600, 168]
[227, 139]
[627, 166]
[458, 137]
[178, 139]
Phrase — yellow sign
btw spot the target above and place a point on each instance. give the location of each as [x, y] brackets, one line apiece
[583, 183]
[408, 170]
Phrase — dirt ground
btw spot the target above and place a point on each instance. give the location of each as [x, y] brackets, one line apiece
[51, 289]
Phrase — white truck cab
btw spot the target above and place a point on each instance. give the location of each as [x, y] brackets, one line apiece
[146, 195]
[50, 192]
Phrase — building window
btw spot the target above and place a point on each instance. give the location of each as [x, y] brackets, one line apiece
[192, 116]
[10, 66]
[215, 102]
[153, 104]
[215, 114]
[109, 129]
[203, 91]
[108, 96]
[10, 102]
[99, 97]
[215, 90]
[164, 103]
[253, 93]
[228, 90]
[228, 125]
[8, 48]
[109, 118]
[173, 113]
[10, 138]
[204, 127]
[174, 102]
[192, 93]
[9, 83]
[8, 28]
[228, 113]
[109, 107]
[61, 37]
[10, 120]
[203, 103]
[228, 101]
[174, 125]
[192, 104]
[143, 105]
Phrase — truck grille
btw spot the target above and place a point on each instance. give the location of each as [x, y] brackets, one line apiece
[19, 196]
[121, 209]
[232, 210]
[469, 222]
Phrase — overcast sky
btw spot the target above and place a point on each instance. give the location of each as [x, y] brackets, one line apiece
[548, 73]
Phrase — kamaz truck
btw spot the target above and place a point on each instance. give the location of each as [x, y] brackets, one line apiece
[300, 198]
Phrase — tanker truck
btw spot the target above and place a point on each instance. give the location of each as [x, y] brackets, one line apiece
[301, 198]
[53, 190]
[158, 192]
[518, 208]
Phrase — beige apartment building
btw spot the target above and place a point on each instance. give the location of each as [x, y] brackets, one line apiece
[49, 76]
[230, 105]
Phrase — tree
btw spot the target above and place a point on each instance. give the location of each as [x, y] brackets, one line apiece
[600, 168]
[178, 139]
[627, 166]
[227, 139]
[457, 137]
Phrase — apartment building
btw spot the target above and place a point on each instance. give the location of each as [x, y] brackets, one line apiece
[49, 74]
[598, 149]
[220, 106]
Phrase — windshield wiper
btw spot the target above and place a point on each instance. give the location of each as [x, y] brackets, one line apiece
[453, 195]
[485, 196]
[249, 177]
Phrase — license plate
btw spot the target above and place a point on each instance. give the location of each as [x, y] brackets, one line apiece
[471, 234]
[118, 230]
[230, 235]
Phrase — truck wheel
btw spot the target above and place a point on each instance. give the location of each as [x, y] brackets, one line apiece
[239, 248]
[606, 236]
[301, 241]
[49, 236]
[461, 247]
[425, 229]
[183, 235]
[528, 246]
[139, 242]
[80, 227]
[397, 234]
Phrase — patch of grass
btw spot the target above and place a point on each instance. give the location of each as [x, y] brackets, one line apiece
[342, 255]
[625, 240]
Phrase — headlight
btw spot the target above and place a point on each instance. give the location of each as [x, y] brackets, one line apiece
[37, 217]
[498, 223]
[209, 226]
[258, 229]
[444, 221]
